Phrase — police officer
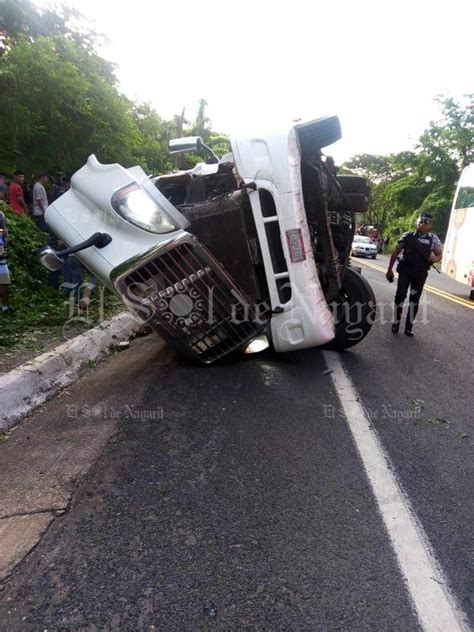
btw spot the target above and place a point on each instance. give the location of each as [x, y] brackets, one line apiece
[419, 251]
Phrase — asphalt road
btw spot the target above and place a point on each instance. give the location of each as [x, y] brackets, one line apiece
[234, 497]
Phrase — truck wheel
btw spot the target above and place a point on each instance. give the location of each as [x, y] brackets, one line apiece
[354, 313]
[471, 295]
[319, 133]
[357, 202]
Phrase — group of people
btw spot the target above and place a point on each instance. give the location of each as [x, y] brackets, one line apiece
[19, 200]
[34, 203]
[374, 235]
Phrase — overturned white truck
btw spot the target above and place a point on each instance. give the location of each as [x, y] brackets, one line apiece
[238, 252]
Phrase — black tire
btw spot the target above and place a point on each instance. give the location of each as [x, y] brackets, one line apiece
[355, 313]
[353, 184]
[357, 202]
[374, 256]
[471, 295]
[319, 133]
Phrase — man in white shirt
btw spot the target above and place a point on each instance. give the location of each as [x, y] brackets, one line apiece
[40, 201]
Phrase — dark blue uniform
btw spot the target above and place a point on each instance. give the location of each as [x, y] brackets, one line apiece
[412, 271]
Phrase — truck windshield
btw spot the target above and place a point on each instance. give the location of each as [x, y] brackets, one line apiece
[465, 193]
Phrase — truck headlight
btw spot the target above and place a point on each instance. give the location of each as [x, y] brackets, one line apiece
[136, 206]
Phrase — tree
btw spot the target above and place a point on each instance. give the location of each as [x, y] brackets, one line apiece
[201, 126]
[408, 183]
[219, 143]
[57, 107]
[152, 153]
[22, 18]
[59, 100]
[373, 167]
[452, 137]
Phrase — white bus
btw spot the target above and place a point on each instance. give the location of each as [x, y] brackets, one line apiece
[458, 255]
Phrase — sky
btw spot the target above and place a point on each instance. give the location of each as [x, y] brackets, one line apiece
[261, 64]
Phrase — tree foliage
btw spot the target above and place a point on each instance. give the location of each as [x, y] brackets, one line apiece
[36, 304]
[59, 102]
[58, 105]
[57, 108]
[423, 180]
[22, 18]
[452, 137]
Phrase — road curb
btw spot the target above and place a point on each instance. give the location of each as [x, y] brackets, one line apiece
[32, 383]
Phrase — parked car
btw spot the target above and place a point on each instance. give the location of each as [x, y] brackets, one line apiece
[238, 251]
[364, 247]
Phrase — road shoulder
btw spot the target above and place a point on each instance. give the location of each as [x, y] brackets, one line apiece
[45, 457]
[31, 384]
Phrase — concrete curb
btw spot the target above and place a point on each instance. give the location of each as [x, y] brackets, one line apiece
[28, 386]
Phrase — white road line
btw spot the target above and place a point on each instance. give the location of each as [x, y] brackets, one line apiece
[435, 605]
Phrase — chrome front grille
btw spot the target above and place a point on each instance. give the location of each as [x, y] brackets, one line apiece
[185, 293]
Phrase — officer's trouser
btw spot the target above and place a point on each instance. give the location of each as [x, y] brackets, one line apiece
[413, 278]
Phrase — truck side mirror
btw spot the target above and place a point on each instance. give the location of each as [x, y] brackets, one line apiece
[189, 144]
[53, 260]
[50, 260]
[194, 145]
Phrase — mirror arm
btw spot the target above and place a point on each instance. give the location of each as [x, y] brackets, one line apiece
[212, 159]
[99, 240]
[193, 144]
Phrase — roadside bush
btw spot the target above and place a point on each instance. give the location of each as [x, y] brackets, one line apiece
[35, 302]
[41, 310]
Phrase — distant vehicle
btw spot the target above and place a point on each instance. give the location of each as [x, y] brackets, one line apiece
[458, 256]
[364, 247]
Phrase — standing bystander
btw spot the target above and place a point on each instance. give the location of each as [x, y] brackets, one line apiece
[16, 197]
[65, 185]
[40, 201]
[4, 273]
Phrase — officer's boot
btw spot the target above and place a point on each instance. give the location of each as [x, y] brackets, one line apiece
[411, 314]
[398, 317]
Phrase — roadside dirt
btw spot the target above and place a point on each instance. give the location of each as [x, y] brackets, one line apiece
[33, 344]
